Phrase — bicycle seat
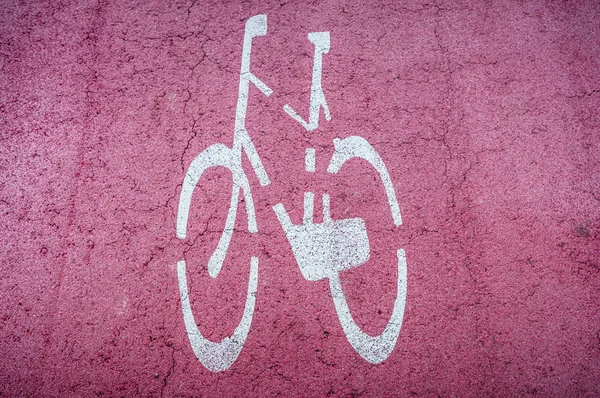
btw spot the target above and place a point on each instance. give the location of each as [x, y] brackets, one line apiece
[256, 25]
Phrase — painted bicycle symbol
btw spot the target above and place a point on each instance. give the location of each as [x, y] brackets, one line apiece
[322, 250]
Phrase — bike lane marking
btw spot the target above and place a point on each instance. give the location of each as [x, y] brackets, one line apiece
[322, 250]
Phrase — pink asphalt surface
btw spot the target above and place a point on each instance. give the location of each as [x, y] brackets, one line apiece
[485, 114]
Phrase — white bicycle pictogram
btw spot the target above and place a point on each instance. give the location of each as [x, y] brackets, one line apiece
[322, 250]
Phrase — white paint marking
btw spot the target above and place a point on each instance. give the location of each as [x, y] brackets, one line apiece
[309, 207]
[358, 147]
[317, 97]
[373, 349]
[326, 208]
[323, 250]
[218, 356]
[216, 155]
[309, 160]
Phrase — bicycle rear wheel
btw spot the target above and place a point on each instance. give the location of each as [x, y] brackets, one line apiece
[217, 356]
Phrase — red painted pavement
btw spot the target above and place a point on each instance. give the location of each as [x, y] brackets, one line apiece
[485, 114]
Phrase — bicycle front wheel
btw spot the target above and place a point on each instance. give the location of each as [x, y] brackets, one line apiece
[374, 349]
